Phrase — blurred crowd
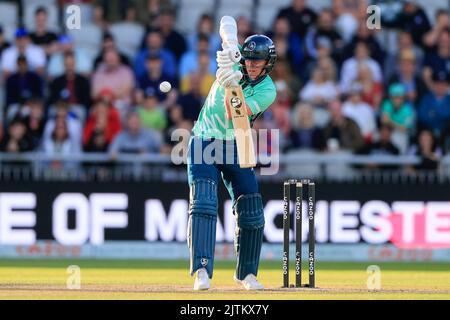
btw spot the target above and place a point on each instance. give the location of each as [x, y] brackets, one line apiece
[338, 86]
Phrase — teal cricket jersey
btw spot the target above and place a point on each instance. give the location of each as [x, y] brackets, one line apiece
[213, 122]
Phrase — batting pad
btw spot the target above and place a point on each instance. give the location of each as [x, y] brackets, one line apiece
[202, 225]
[249, 233]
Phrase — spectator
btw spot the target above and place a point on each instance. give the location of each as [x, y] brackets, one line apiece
[62, 111]
[207, 77]
[328, 67]
[341, 133]
[287, 43]
[152, 114]
[412, 19]
[191, 101]
[115, 76]
[42, 36]
[205, 27]
[372, 91]
[83, 61]
[244, 26]
[349, 72]
[154, 42]
[408, 76]
[428, 150]
[383, 146]
[399, 114]
[4, 44]
[319, 91]
[279, 113]
[110, 44]
[348, 13]
[434, 107]
[365, 35]
[325, 27]
[102, 125]
[323, 49]
[61, 143]
[33, 54]
[76, 85]
[442, 22]
[283, 72]
[355, 108]
[173, 40]
[189, 60]
[23, 84]
[305, 134]
[34, 118]
[404, 43]
[439, 59]
[99, 17]
[16, 140]
[135, 139]
[155, 75]
[300, 17]
[152, 10]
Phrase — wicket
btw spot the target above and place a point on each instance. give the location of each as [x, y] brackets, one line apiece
[311, 208]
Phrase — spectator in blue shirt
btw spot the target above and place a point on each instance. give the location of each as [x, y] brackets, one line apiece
[205, 26]
[439, 58]
[23, 84]
[288, 43]
[434, 107]
[154, 75]
[189, 60]
[154, 43]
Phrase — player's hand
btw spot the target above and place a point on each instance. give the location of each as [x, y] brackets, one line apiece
[227, 77]
[234, 53]
[223, 59]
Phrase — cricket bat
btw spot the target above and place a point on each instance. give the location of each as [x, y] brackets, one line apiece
[235, 104]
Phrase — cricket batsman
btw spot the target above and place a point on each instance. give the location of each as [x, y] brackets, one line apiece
[247, 66]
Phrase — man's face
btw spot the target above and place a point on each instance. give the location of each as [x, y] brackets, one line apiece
[282, 27]
[134, 123]
[203, 45]
[407, 66]
[154, 65]
[326, 21]
[69, 64]
[112, 59]
[361, 51]
[166, 21]
[154, 41]
[22, 43]
[397, 101]
[41, 20]
[254, 68]
[440, 88]
[298, 4]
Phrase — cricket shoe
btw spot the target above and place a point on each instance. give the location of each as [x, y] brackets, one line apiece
[250, 282]
[201, 280]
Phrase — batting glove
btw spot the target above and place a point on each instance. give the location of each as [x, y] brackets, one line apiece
[228, 77]
[223, 59]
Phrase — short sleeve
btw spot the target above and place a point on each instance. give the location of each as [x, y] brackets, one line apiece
[262, 98]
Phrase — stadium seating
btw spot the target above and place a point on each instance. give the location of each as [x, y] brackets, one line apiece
[9, 15]
[127, 44]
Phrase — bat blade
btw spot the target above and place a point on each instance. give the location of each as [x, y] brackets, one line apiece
[241, 124]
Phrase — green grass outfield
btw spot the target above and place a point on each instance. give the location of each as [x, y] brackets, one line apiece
[131, 279]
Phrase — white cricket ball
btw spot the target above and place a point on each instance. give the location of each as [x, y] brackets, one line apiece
[165, 86]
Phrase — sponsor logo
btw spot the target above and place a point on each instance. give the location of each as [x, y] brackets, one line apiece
[251, 46]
